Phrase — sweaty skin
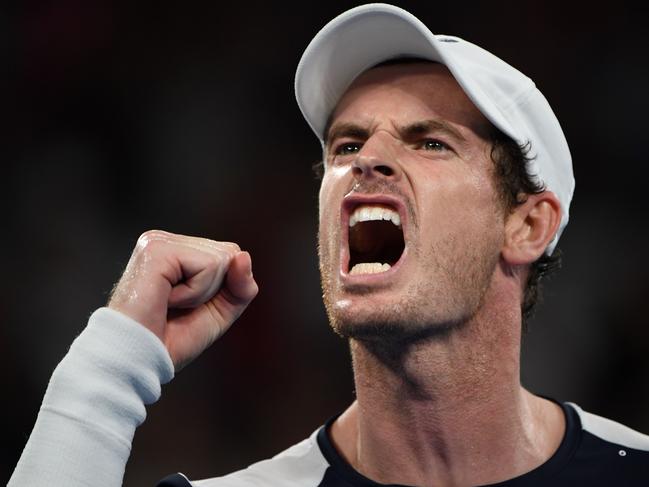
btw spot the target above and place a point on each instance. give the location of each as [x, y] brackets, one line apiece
[436, 342]
[186, 290]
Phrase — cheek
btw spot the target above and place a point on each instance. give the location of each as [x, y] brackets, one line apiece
[328, 211]
[331, 193]
[324, 202]
[460, 208]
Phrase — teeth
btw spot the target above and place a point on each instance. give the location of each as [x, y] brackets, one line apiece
[369, 268]
[364, 213]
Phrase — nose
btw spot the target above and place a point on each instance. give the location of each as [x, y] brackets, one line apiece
[376, 159]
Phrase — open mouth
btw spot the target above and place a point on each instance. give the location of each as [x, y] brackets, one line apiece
[375, 239]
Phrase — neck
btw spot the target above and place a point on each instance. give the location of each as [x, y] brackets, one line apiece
[453, 408]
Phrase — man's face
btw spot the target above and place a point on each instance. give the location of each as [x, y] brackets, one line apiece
[408, 182]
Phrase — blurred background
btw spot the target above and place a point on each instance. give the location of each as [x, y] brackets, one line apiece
[126, 116]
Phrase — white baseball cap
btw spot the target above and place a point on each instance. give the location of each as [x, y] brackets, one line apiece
[370, 34]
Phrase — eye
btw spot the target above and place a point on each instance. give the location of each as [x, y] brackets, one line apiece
[434, 145]
[348, 148]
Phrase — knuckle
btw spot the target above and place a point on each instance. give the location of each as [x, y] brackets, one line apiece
[151, 238]
[231, 246]
[228, 248]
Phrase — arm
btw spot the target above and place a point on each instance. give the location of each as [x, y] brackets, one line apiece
[177, 296]
[94, 402]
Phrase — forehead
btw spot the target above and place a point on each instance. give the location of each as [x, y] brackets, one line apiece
[403, 92]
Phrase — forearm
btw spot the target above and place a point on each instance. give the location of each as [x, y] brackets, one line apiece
[94, 402]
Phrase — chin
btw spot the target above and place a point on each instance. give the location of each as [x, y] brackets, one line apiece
[390, 325]
[429, 297]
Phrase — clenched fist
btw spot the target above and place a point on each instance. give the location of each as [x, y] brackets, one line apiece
[186, 290]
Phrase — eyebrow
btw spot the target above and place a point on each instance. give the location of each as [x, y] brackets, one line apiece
[406, 131]
[426, 126]
[346, 130]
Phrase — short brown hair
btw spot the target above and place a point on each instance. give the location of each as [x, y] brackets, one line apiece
[513, 184]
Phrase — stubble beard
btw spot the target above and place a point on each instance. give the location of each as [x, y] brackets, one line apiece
[459, 276]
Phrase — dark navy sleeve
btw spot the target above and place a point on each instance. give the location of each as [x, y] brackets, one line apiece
[175, 480]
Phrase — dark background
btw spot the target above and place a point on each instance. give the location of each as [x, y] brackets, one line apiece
[121, 117]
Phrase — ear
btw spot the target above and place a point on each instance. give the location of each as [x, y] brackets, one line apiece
[530, 228]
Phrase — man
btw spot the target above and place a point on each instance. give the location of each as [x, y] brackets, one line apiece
[447, 182]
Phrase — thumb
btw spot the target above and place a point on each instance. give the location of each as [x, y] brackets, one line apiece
[239, 280]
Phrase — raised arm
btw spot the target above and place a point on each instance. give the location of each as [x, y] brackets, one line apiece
[177, 295]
